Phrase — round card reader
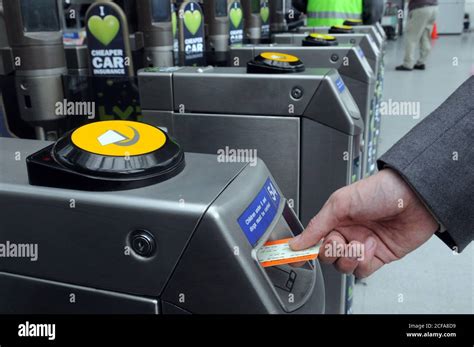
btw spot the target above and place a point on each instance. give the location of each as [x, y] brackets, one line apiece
[341, 29]
[316, 39]
[353, 22]
[273, 62]
[108, 155]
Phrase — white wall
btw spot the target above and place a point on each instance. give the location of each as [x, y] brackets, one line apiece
[470, 10]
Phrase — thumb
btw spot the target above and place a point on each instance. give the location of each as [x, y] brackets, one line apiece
[322, 224]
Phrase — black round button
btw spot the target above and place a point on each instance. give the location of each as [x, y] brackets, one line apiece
[353, 22]
[143, 243]
[341, 29]
[321, 40]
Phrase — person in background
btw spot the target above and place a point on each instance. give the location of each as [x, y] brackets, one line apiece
[373, 11]
[422, 189]
[421, 18]
[335, 12]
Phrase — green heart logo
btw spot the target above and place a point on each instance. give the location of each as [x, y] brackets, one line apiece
[174, 23]
[264, 13]
[235, 16]
[192, 21]
[104, 29]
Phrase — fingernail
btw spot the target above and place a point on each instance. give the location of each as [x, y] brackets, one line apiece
[295, 240]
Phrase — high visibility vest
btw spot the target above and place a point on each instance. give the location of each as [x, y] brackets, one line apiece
[332, 12]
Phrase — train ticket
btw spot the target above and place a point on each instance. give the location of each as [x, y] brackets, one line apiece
[278, 252]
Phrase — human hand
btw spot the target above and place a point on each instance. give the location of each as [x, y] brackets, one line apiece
[380, 215]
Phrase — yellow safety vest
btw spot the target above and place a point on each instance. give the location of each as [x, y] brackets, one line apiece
[333, 12]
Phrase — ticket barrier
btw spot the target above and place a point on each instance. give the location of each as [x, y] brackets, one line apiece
[378, 35]
[304, 124]
[377, 25]
[346, 29]
[324, 51]
[121, 220]
[364, 41]
[379, 87]
[375, 58]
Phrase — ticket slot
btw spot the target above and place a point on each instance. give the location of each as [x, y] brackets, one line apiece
[293, 286]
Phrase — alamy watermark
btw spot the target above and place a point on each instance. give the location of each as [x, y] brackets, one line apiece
[28, 329]
[75, 108]
[339, 250]
[240, 155]
[19, 250]
[400, 108]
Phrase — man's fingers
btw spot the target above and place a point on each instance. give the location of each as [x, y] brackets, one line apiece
[325, 221]
[346, 265]
[328, 252]
[349, 261]
[368, 264]
[327, 249]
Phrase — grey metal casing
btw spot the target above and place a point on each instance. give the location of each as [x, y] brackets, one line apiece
[216, 27]
[3, 29]
[32, 47]
[6, 61]
[218, 107]
[157, 36]
[361, 29]
[37, 95]
[375, 56]
[252, 22]
[77, 58]
[228, 107]
[364, 41]
[381, 31]
[351, 65]
[278, 11]
[193, 218]
[40, 64]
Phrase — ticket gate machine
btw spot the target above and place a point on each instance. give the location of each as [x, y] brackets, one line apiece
[351, 64]
[341, 29]
[375, 58]
[217, 30]
[305, 126]
[377, 25]
[155, 23]
[378, 35]
[37, 55]
[368, 46]
[123, 221]
[252, 21]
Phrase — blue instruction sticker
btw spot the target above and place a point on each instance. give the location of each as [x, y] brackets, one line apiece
[256, 218]
[340, 85]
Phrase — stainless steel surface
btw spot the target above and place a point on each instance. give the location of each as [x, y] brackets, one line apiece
[351, 65]
[184, 214]
[216, 25]
[364, 41]
[252, 21]
[304, 150]
[364, 29]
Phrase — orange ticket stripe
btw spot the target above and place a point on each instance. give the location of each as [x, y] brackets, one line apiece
[289, 260]
[278, 242]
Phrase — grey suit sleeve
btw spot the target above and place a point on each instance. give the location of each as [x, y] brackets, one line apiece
[436, 158]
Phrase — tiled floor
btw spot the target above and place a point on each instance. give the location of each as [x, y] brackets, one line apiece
[431, 279]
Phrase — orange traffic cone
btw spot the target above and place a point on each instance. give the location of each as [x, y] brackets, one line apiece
[434, 33]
